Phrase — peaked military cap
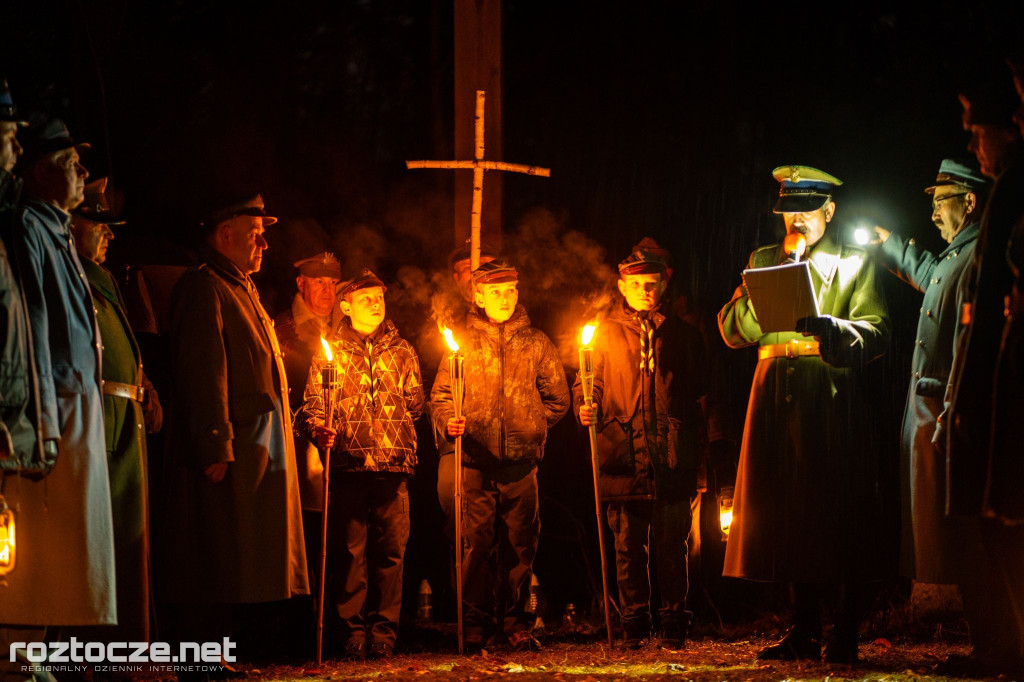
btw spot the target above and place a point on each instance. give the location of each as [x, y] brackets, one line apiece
[803, 188]
[252, 206]
[323, 264]
[992, 103]
[51, 136]
[96, 206]
[461, 253]
[495, 272]
[364, 280]
[952, 172]
[9, 112]
[646, 257]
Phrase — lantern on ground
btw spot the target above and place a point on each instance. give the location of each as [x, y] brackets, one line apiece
[8, 548]
[725, 510]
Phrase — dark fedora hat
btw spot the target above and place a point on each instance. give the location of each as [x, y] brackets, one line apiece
[48, 137]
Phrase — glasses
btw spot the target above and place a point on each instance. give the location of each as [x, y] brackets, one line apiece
[936, 202]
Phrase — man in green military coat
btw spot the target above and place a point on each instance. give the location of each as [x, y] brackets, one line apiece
[808, 505]
[131, 408]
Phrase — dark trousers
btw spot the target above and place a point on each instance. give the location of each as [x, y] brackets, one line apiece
[636, 526]
[844, 601]
[509, 494]
[367, 530]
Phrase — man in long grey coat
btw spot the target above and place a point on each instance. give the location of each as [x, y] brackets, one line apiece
[808, 505]
[66, 568]
[233, 526]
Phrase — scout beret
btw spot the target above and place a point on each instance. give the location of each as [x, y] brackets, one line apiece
[646, 257]
[364, 280]
[461, 253]
[323, 264]
[495, 272]
[953, 172]
[803, 189]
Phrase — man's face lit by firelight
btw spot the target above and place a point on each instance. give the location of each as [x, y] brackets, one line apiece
[241, 240]
[497, 300]
[91, 238]
[811, 224]
[643, 291]
[319, 293]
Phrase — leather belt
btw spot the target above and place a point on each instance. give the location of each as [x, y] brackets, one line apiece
[130, 391]
[790, 349]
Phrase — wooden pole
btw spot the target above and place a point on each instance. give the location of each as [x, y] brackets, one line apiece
[455, 372]
[329, 378]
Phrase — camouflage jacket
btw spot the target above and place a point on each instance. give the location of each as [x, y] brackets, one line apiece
[515, 390]
[378, 399]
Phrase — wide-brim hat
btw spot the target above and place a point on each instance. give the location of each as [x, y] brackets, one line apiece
[323, 264]
[96, 206]
[9, 112]
[992, 103]
[803, 189]
[646, 258]
[48, 137]
[495, 272]
[364, 280]
[953, 172]
[251, 206]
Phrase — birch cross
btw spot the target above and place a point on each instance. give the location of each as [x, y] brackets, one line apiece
[479, 165]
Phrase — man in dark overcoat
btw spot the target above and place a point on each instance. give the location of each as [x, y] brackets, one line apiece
[807, 507]
[232, 526]
[980, 485]
[131, 409]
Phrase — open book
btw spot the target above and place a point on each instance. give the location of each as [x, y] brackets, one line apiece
[781, 295]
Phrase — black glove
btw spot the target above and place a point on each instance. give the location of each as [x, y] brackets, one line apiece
[828, 332]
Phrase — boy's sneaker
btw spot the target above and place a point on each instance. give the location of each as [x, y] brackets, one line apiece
[522, 640]
[353, 651]
[380, 650]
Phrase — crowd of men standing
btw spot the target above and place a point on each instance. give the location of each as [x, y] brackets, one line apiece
[244, 483]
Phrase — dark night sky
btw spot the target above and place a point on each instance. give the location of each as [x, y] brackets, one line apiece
[661, 119]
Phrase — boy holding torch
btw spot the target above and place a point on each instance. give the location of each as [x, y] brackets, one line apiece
[649, 379]
[372, 444]
[514, 391]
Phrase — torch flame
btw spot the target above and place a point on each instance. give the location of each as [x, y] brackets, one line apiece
[588, 334]
[327, 349]
[450, 340]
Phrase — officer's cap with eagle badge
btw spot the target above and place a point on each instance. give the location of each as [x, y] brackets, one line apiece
[803, 189]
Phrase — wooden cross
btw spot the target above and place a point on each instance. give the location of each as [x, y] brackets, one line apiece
[479, 165]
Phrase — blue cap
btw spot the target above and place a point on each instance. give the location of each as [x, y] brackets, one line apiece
[953, 172]
[8, 112]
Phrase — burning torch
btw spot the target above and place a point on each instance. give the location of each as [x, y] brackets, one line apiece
[8, 547]
[455, 366]
[587, 379]
[329, 384]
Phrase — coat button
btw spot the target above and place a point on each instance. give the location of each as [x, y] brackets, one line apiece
[920, 343]
[928, 313]
[790, 370]
[917, 375]
[215, 432]
[789, 398]
[912, 241]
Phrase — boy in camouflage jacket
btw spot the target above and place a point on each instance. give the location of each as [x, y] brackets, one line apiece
[373, 452]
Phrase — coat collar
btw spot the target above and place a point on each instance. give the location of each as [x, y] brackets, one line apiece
[825, 257]
[224, 265]
[625, 315]
[100, 279]
[519, 320]
[968, 234]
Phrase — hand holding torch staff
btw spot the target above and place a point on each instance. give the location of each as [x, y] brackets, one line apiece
[325, 439]
[456, 429]
[588, 417]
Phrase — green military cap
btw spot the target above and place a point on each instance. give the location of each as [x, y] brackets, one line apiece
[323, 264]
[953, 172]
[96, 206]
[803, 188]
[495, 272]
